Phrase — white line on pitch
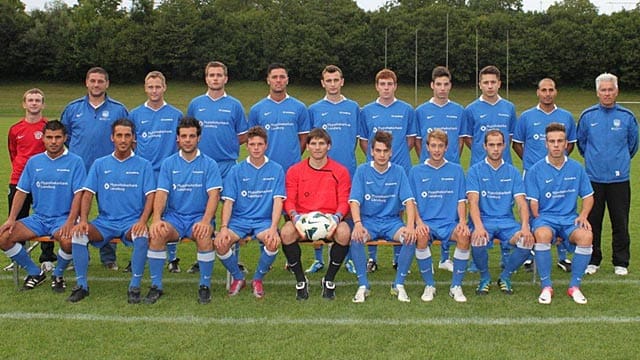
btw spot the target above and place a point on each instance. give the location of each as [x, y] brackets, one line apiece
[189, 320]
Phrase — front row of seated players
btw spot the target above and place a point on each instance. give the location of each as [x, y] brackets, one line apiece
[188, 192]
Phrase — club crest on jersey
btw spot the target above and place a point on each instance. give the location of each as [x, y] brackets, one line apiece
[105, 113]
[616, 122]
[37, 135]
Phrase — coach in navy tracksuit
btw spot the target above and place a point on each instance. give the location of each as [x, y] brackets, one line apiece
[608, 139]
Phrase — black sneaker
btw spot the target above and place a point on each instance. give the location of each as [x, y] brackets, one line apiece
[565, 265]
[133, 296]
[194, 269]
[372, 266]
[328, 289]
[153, 295]
[528, 266]
[58, 284]
[127, 269]
[204, 294]
[174, 266]
[31, 281]
[302, 289]
[77, 293]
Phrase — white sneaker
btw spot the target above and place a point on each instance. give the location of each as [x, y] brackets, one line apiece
[457, 294]
[576, 295]
[446, 265]
[620, 270]
[591, 269]
[546, 295]
[428, 294]
[361, 295]
[402, 294]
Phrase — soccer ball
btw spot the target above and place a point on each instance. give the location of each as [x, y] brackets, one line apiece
[315, 225]
[47, 266]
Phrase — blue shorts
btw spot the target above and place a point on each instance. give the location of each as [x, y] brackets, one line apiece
[441, 231]
[248, 227]
[503, 230]
[42, 226]
[184, 224]
[558, 229]
[111, 230]
[382, 229]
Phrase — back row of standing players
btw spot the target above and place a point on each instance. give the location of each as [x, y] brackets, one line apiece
[288, 122]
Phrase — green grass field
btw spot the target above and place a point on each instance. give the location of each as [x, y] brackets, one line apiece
[42, 324]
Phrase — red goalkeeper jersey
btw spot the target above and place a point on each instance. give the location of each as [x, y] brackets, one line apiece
[24, 140]
[325, 190]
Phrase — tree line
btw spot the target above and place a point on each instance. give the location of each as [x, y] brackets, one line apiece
[570, 41]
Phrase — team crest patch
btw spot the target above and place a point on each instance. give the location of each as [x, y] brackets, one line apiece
[38, 135]
[616, 122]
[105, 113]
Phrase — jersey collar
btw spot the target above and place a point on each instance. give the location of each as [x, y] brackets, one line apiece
[546, 159]
[373, 166]
[342, 98]
[432, 101]
[486, 161]
[555, 107]
[197, 155]
[266, 160]
[278, 102]
[146, 104]
[123, 160]
[106, 98]
[445, 162]
[224, 95]
[65, 152]
[393, 102]
[488, 103]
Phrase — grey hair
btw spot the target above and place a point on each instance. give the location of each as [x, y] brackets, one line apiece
[606, 77]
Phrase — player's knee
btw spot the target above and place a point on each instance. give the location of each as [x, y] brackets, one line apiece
[422, 242]
[65, 244]
[582, 237]
[222, 247]
[288, 233]
[543, 235]
[156, 243]
[204, 244]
